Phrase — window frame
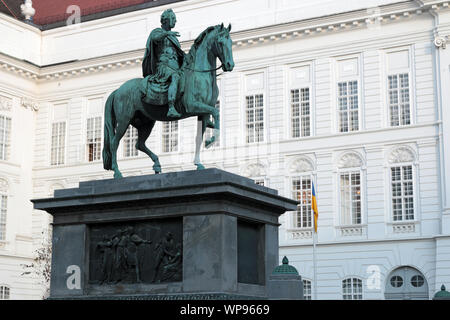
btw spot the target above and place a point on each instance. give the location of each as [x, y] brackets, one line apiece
[348, 110]
[243, 104]
[301, 84]
[247, 135]
[133, 143]
[385, 84]
[310, 289]
[359, 170]
[4, 194]
[170, 133]
[388, 111]
[414, 197]
[64, 153]
[352, 294]
[337, 78]
[86, 137]
[295, 213]
[300, 117]
[260, 178]
[2, 292]
[7, 146]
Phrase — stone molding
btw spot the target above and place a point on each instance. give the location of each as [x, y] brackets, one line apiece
[5, 104]
[297, 234]
[305, 28]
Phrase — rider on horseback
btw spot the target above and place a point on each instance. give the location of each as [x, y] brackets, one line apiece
[162, 60]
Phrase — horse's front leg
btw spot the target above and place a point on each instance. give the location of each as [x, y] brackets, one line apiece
[201, 127]
[202, 108]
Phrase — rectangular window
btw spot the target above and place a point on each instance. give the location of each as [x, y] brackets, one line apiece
[402, 193]
[209, 131]
[255, 118]
[348, 106]
[301, 191]
[58, 147]
[129, 142]
[3, 209]
[5, 132]
[94, 138]
[350, 183]
[170, 136]
[307, 289]
[301, 113]
[399, 107]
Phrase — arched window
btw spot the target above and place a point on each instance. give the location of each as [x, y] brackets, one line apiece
[350, 189]
[301, 171]
[4, 292]
[401, 174]
[352, 289]
[307, 289]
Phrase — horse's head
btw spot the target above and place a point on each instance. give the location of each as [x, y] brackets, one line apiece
[222, 48]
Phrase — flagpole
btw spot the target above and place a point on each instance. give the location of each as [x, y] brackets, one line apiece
[314, 265]
[314, 236]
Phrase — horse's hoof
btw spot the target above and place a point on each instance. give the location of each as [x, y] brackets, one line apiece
[172, 113]
[157, 169]
[200, 166]
[209, 142]
[118, 175]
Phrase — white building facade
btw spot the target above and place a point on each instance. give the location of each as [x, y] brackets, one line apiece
[352, 98]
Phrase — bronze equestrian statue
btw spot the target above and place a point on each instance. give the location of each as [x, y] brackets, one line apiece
[175, 86]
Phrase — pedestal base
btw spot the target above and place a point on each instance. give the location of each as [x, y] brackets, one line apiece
[205, 234]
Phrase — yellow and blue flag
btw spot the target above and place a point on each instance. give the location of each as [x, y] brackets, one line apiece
[314, 207]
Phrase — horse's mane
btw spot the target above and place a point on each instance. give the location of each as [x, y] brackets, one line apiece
[190, 57]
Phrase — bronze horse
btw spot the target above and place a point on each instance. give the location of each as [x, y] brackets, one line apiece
[124, 106]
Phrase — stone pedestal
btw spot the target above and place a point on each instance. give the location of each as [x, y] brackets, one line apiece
[205, 234]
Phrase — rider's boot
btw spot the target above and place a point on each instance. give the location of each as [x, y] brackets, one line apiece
[172, 113]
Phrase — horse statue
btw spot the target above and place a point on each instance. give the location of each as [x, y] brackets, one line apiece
[197, 96]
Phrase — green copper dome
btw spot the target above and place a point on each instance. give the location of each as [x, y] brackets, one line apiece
[285, 268]
[442, 294]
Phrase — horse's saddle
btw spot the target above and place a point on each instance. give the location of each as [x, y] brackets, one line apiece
[155, 93]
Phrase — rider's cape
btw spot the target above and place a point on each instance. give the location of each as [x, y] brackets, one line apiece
[150, 57]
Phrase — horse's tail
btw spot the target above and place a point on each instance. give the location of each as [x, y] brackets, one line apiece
[110, 124]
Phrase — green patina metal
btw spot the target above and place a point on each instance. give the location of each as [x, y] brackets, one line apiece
[442, 295]
[285, 268]
[175, 86]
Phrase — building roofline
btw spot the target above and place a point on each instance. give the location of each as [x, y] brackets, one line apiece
[296, 29]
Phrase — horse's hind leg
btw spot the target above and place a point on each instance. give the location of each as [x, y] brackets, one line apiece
[121, 128]
[143, 133]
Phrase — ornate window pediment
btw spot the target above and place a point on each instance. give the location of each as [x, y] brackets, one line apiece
[301, 165]
[4, 186]
[254, 170]
[350, 160]
[5, 104]
[54, 187]
[402, 154]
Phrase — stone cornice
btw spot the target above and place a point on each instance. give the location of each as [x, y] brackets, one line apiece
[293, 30]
